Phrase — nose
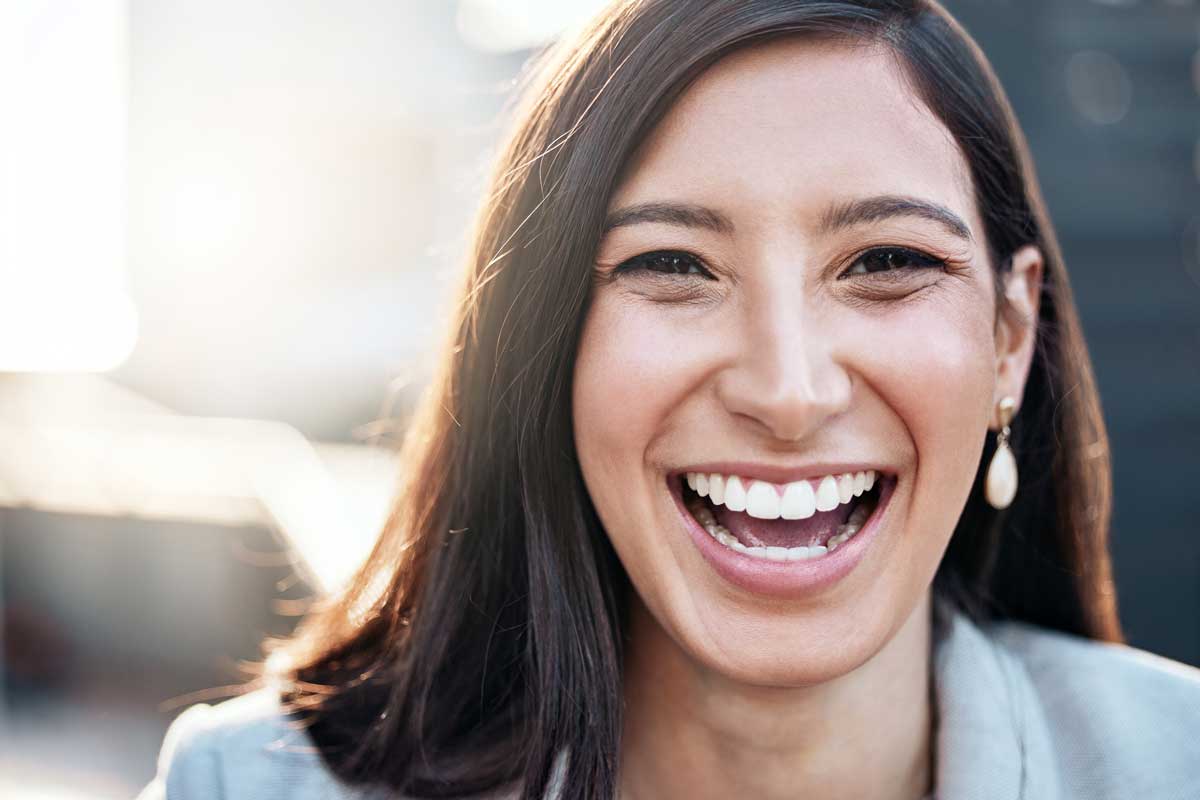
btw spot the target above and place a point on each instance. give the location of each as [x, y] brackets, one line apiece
[786, 378]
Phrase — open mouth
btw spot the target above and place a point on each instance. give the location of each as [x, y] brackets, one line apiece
[797, 521]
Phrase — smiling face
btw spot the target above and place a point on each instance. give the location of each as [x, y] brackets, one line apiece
[794, 285]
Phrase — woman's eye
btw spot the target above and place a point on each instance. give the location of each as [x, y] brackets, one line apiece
[886, 259]
[666, 262]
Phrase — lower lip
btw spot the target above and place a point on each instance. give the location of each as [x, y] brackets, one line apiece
[785, 578]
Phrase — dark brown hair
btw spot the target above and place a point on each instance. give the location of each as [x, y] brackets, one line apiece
[483, 635]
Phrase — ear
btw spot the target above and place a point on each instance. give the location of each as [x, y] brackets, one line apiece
[1016, 325]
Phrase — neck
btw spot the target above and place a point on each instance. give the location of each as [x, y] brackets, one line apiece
[690, 732]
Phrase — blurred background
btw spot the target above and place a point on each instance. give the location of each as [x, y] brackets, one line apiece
[228, 231]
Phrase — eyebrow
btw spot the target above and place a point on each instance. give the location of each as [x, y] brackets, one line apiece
[837, 217]
[683, 215]
[874, 209]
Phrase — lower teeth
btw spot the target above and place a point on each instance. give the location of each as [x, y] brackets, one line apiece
[719, 532]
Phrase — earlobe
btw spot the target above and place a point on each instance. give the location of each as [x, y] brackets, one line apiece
[1016, 328]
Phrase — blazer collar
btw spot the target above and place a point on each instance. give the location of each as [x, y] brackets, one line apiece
[992, 738]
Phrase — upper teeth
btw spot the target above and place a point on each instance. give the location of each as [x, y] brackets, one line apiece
[796, 500]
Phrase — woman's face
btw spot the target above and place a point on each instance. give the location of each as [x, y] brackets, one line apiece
[793, 288]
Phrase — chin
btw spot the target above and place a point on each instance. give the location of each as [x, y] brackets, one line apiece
[760, 645]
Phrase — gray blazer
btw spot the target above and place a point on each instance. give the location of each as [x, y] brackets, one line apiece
[1021, 713]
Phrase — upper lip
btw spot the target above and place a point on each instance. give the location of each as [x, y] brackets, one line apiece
[783, 474]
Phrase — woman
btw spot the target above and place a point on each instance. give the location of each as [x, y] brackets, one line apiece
[716, 493]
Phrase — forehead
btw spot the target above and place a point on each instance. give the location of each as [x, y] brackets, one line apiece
[796, 123]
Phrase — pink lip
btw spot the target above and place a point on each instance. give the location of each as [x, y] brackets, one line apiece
[786, 579]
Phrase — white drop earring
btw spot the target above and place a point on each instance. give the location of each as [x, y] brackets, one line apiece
[1000, 487]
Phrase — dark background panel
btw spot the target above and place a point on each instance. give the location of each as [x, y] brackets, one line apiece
[1107, 95]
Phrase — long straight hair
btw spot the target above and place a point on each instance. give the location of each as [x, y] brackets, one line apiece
[483, 636]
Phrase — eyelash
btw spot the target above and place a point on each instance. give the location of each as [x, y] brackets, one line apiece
[683, 263]
[672, 258]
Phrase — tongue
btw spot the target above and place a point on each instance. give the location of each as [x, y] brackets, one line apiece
[752, 532]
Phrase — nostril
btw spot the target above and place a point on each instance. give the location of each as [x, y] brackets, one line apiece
[783, 409]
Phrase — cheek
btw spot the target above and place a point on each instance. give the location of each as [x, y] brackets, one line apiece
[632, 369]
[939, 372]
[934, 366]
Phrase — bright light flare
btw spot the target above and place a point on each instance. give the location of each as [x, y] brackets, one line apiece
[506, 26]
[63, 167]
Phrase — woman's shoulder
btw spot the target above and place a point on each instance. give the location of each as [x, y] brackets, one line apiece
[1116, 714]
[1066, 666]
[247, 747]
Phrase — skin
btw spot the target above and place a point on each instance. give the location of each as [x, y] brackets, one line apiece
[776, 356]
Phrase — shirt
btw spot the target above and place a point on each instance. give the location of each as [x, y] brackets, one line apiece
[1021, 712]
